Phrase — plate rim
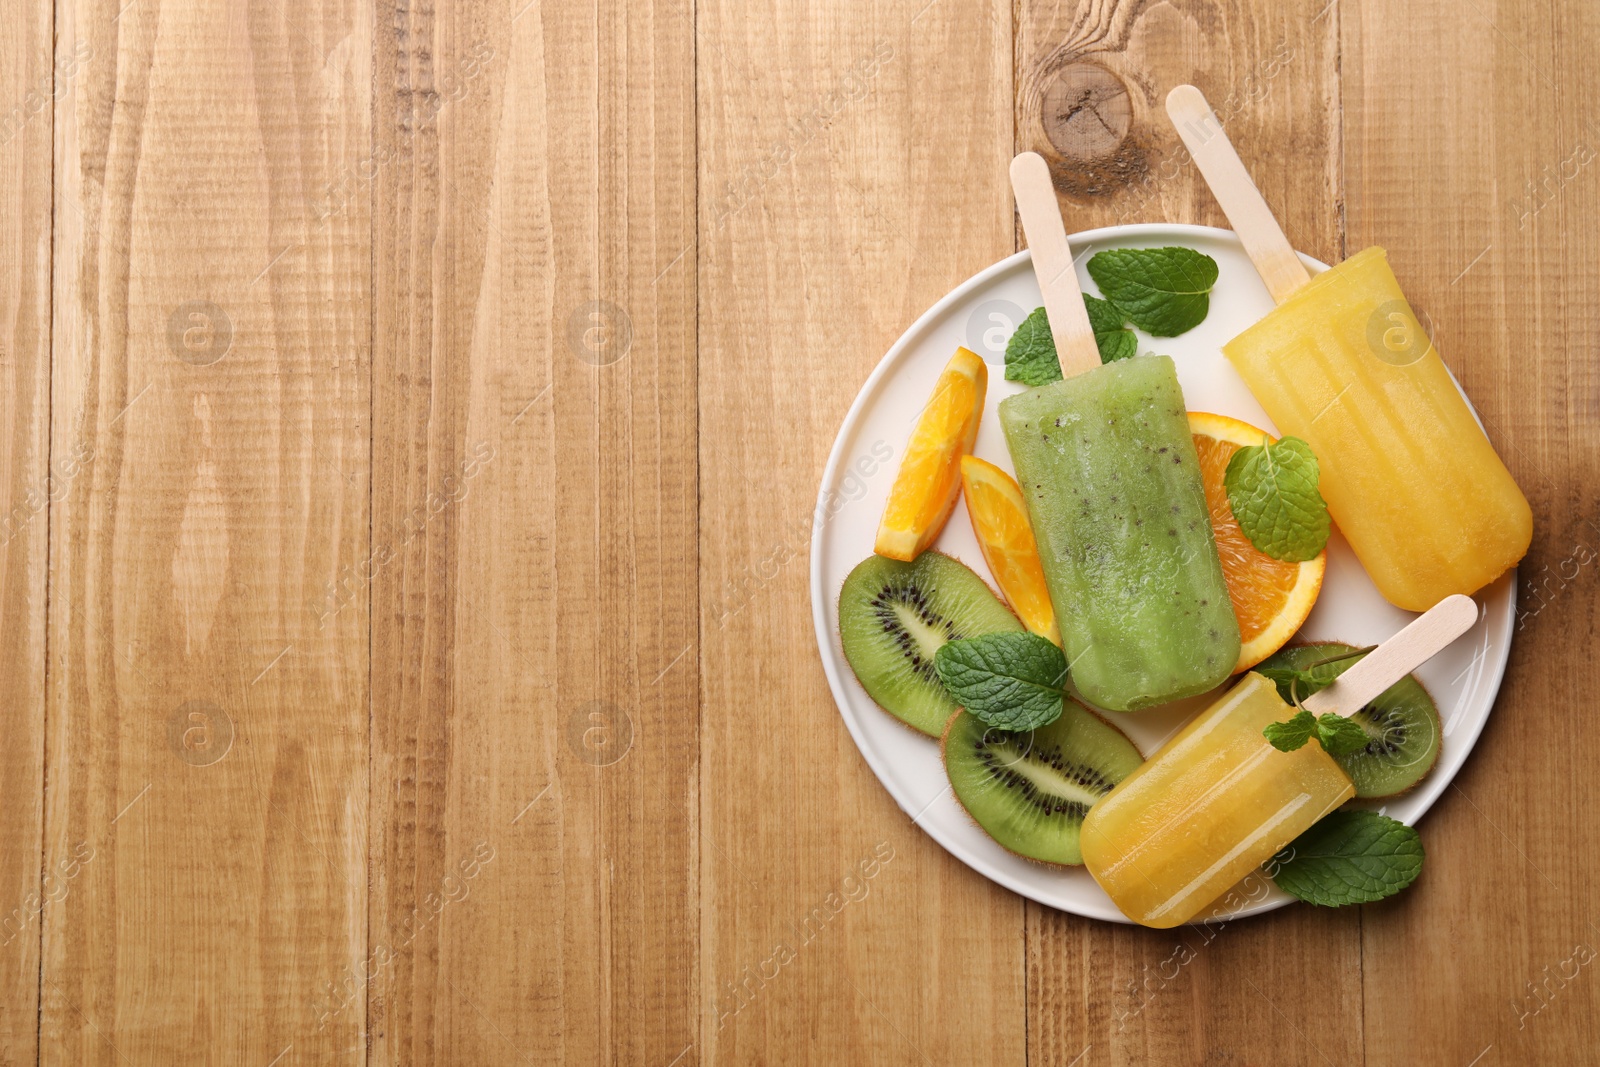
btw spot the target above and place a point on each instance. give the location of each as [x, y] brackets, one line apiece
[1424, 798]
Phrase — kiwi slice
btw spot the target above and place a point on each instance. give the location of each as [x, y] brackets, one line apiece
[1031, 790]
[894, 616]
[1402, 722]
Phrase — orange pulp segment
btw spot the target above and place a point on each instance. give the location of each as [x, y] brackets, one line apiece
[1271, 598]
[925, 490]
[1000, 519]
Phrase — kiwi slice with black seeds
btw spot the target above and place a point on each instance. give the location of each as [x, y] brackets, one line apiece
[1402, 723]
[1030, 790]
[893, 618]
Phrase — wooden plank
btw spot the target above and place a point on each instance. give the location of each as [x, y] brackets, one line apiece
[852, 170]
[534, 640]
[1484, 189]
[207, 716]
[1091, 84]
[28, 84]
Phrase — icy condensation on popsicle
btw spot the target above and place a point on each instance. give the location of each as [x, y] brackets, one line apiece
[1214, 804]
[1408, 474]
[1108, 467]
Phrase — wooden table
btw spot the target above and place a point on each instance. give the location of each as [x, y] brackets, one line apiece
[413, 416]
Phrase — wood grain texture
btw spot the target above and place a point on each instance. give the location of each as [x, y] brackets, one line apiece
[27, 94]
[1091, 83]
[851, 172]
[207, 729]
[535, 601]
[412, 422]
[1484, 189]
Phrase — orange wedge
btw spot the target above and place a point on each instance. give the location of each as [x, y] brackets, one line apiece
[1270, 597]
[1000, 519]
[925, 490]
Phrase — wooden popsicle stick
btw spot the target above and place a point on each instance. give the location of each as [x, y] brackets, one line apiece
[1397, 657]
[1052, 264]
[1241, 201]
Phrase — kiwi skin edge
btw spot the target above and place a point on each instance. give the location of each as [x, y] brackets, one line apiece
[944, 736]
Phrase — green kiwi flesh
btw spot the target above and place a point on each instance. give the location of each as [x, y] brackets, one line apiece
[1031, 790]
[894, 616]
[1402, 722]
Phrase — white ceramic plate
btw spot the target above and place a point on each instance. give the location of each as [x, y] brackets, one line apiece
[981, 314]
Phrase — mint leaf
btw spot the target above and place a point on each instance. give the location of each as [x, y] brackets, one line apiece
[1293, 685]
[1031, 356]
[1290, 735]
[1340, 736]
[1031, 353]
[1349, 857]
[1163, 291]
[1272, 489]
[1009, 680]
[1111, 336]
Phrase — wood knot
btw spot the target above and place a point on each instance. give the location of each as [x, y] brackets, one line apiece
[1086, 112]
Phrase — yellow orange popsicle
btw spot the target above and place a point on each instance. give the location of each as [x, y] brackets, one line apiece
[1218, 800]
[1408, 474]
[1214, 804]
[1343, 364]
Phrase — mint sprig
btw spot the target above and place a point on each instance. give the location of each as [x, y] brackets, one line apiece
[1297, 683]
[1349, 857]
[1163, 291]
[1272, 489]
[1337, 735]
[1009, 680]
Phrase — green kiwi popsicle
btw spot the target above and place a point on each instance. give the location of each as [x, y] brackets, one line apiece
[1109, 471]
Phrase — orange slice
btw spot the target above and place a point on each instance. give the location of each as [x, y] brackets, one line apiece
[925, 490]
[1000, 519]
[1270, 597]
